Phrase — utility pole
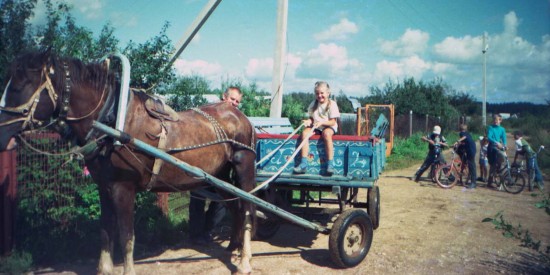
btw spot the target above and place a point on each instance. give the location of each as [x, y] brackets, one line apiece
[207, 10]
[484, 51]
[278, 60]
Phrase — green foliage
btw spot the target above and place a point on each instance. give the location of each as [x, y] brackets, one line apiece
[149, 61]
[152, 227]
[405, 151]
[186, 92]
[253, 102]
[544, 203]
[53, 208]
[16, 263]
[294, 110]
[344, 105]
[422, 98]
[14, 34]
[517, 232]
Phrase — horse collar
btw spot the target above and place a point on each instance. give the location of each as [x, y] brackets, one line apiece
[65, 98]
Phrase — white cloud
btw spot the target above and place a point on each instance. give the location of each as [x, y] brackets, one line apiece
[199, 67]
[505, 49]
[327, 61]
[259, 68]
[464, 49]
[339, 31]
[90, 8]
[410, 43]
[123, 20]
[412, 66]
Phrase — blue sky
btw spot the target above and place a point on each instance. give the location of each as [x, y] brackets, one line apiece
[351, 44]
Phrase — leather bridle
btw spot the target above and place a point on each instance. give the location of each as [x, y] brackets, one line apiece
[27, 109]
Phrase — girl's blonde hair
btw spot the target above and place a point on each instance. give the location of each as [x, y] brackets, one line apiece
[316, 104]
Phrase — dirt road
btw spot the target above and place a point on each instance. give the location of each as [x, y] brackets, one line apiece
[423, 230]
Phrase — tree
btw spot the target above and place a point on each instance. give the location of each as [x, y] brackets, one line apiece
[149, 61]
[14, 36]
[186, 92]
[464, 103]
[344, 105]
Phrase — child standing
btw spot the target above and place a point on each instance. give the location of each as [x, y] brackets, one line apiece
[435, 140]
[483, 162]
[323, 114]
[523, 148]
[469, 156]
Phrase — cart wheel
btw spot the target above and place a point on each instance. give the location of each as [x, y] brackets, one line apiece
[350, 238]
[373, 201]
[266, 228]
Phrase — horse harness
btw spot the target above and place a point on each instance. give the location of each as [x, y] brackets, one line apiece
[28, 108]
[160, 111]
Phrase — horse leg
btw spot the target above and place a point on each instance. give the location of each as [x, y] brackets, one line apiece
[107, 232]
[124, 195]
[245, 176]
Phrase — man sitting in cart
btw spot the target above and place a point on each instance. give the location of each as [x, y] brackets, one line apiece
[323, 115]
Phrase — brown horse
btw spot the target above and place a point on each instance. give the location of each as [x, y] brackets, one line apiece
[42, 89]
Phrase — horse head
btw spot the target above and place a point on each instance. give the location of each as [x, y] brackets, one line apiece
[40, 92]
[28, 100]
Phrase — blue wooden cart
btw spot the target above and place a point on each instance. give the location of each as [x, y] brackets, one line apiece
[358, 159]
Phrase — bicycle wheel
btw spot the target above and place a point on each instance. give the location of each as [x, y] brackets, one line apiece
[446, 176]
[513, 184]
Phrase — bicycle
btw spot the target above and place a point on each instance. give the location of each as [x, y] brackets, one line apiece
[507, 178]
[436, 164]
[531, 175]
[453, 172]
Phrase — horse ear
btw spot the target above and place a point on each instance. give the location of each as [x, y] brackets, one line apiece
[106, 64]
[47, 60]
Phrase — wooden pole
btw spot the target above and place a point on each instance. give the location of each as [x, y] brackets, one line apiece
[278, 60]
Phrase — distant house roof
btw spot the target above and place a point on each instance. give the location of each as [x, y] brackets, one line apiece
[354, 103]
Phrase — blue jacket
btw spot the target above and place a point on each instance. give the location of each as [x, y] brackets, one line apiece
[496, 133]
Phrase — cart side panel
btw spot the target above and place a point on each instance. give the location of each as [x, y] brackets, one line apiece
[354, 157]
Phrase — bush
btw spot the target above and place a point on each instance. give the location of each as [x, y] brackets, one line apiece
[16, 263]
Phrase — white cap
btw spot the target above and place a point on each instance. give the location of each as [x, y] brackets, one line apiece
[437, 130]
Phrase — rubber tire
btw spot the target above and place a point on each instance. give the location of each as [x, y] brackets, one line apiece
[267, 228]
[516, 185]
[373, 202]
[443, 179]
[352, 221]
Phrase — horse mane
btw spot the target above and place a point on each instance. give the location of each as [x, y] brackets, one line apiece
[91, 75]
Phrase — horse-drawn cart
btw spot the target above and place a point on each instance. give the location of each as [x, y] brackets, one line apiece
[359, 160]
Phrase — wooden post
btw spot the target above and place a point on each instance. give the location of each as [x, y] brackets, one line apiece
[8, 203]
[410, 123]
[426, 123]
